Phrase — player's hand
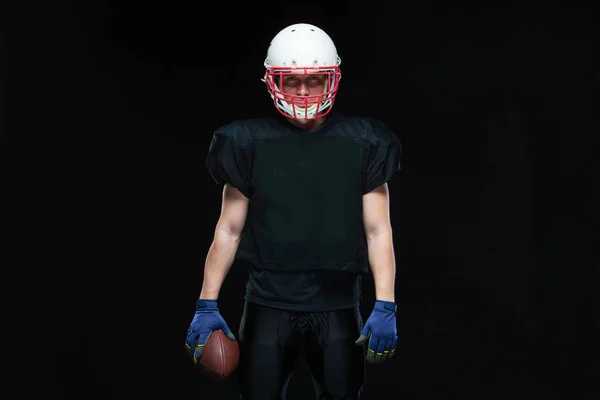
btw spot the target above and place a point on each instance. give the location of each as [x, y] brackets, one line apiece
[207, 319]
[380, 331]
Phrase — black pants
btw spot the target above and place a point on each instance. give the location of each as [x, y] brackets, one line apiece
[271, 341]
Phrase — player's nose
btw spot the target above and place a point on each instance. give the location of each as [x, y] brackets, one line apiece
[302, 90]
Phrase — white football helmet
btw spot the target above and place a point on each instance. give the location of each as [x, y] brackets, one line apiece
[302, 49]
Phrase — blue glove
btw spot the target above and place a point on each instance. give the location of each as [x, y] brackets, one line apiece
[206, 320]
[380, 329]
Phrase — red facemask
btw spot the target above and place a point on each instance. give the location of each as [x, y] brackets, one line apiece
[303, 107]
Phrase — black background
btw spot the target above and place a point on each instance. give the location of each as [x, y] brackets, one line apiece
[110, 107]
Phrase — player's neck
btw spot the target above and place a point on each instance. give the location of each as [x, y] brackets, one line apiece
[307, 126]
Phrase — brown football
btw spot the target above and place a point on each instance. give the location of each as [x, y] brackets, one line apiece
[220, 357]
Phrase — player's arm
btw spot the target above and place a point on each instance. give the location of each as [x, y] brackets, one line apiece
[378, 230]
[221, 254]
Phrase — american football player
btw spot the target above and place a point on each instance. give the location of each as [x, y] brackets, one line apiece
[306, 205]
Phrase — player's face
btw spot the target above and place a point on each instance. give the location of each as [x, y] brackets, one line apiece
[303, 85]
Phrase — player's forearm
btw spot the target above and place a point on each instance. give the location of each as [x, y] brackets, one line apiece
[383, 264]
[219, 259]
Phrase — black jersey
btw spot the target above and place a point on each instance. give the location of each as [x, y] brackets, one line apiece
[305, 191]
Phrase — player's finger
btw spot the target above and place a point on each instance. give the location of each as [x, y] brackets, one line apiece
[191, 335]
[361, 339]
[228, 333]
[393, 349]
[189, 351]
[200, 346]
[198, 352]
[372, 350]
[191, 340]
[364, 335]
[381, 352]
